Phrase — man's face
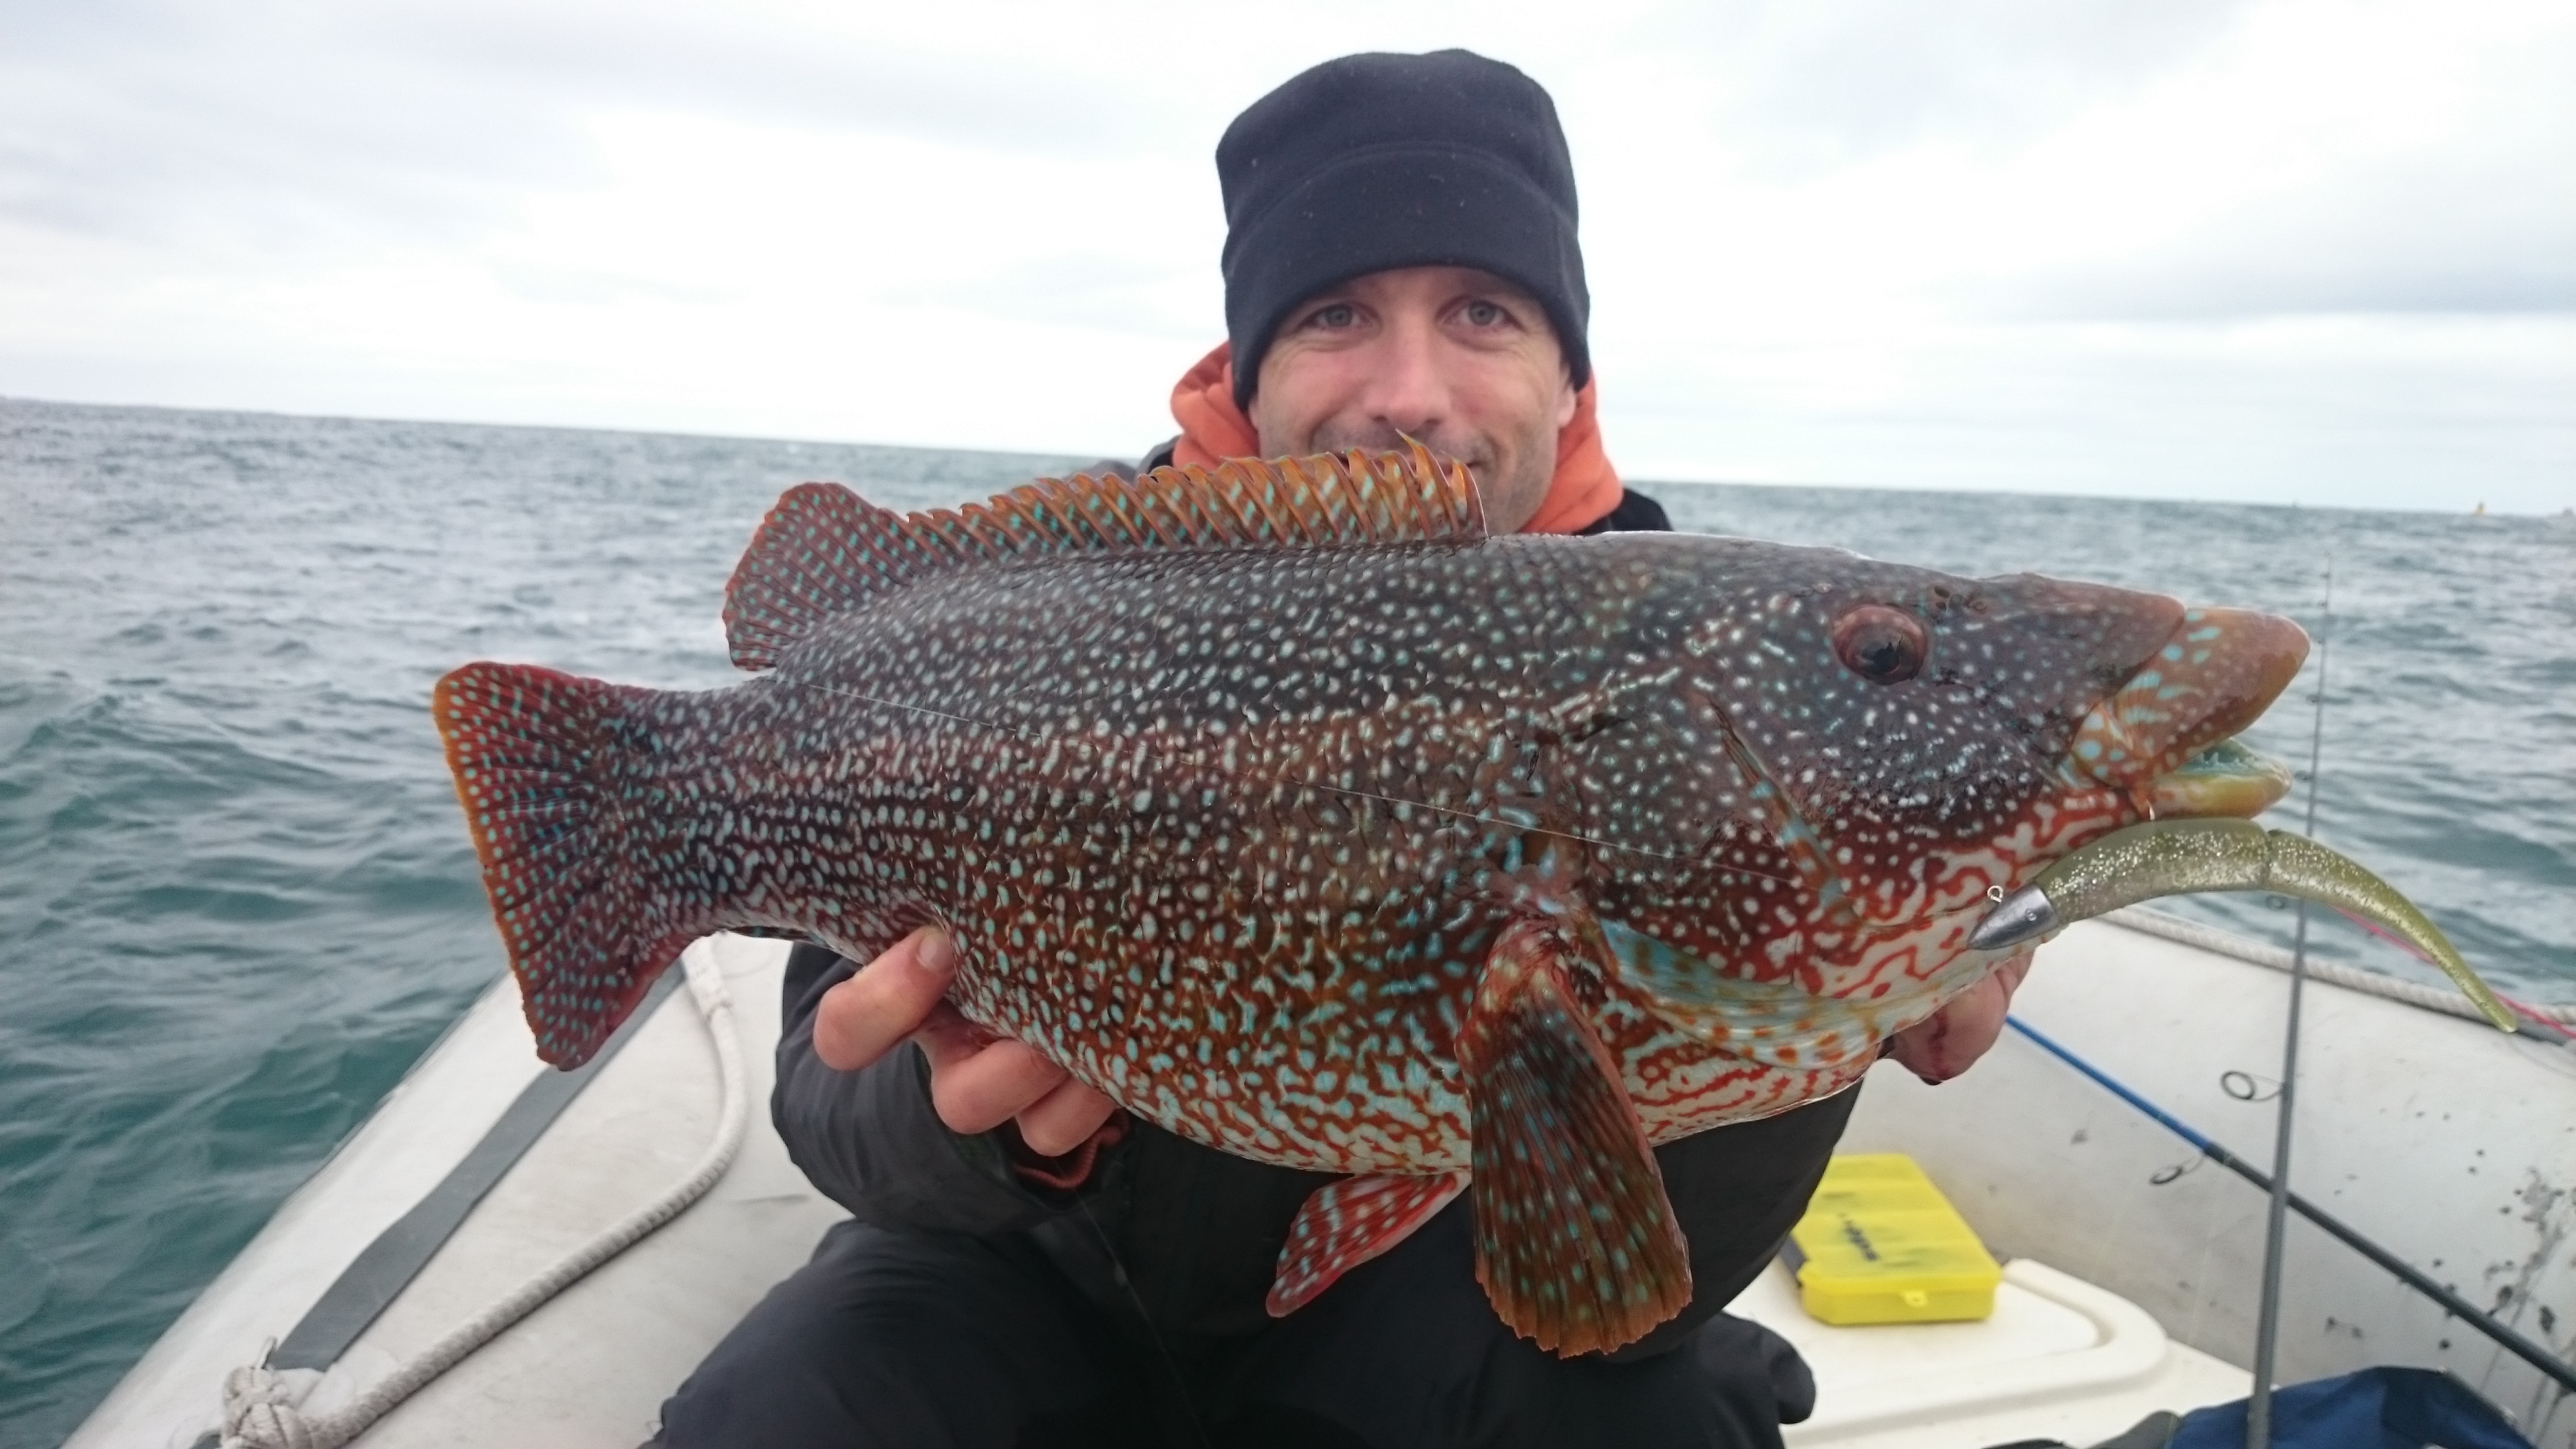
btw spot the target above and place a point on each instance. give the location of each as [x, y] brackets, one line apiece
[1457, 358]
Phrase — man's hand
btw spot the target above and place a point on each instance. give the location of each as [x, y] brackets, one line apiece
[1959, 1033]
[978, 1081]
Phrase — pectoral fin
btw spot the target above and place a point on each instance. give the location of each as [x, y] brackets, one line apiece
[1346, 1223]
[1576, 1243]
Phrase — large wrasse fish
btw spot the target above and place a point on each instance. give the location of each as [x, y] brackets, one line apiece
[1286, 807]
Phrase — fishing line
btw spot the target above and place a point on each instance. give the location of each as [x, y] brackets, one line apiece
[1127, 1285]
[2267, 1330]
[1832, 893]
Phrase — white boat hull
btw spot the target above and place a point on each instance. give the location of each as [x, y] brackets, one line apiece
[2449, 1142]
[590, 1368]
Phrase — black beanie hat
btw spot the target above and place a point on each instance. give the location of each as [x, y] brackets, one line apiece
[1372, 162]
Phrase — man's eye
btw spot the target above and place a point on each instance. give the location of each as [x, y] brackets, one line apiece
[1336, 316]
[1485, 314]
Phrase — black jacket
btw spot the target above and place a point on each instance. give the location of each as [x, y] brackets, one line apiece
[1189, 1235]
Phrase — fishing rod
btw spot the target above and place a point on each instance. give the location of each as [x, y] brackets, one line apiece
[2505, 1336]
[2276, 1220]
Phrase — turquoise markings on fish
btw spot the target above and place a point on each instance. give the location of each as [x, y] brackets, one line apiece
[1284, 806]
[1791, 1025]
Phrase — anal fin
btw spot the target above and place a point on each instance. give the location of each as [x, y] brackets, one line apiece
[1576, 1244]
[1346, 1223]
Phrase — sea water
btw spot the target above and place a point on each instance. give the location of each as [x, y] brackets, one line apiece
[237, 901]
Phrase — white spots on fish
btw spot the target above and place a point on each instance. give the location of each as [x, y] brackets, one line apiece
[1289, 823]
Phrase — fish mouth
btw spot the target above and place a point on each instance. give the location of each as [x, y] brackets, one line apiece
[2226, 778]
[2167, 737]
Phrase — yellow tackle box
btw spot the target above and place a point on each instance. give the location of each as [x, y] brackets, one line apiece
[1880, 1244]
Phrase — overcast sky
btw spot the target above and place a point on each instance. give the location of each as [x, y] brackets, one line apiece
[2274, 250]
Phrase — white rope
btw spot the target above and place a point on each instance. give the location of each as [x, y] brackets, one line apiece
[2226, 943]
[261, 1404]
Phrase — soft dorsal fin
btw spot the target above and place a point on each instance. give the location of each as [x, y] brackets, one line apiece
[823, 549]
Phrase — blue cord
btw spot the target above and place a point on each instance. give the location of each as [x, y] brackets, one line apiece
[2508, 1338]
[2166, 1119]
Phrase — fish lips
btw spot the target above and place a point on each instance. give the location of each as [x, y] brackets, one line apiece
[2166, 736]
[2226, 778]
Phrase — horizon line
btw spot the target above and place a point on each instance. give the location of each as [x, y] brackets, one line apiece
[2480, 511]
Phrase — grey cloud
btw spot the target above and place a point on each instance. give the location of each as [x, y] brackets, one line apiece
[592, 286]
[1808, 87]
[2481, 218]
[692, 58]
[1113, 293]
[2484, 230]
[2242, 292]
[148, 125]
[277, 126]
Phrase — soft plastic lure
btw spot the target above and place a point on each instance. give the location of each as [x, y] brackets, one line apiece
[2185, 857]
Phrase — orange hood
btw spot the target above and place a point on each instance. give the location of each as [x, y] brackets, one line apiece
[1583, 491]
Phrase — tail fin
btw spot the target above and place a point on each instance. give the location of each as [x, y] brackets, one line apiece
[546, 766]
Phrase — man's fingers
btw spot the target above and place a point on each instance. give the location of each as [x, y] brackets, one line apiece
[1064, 1119]
[978, 1081]
[946, 1036]
[861, 1019]
[1964, 1029]
[982, 1090]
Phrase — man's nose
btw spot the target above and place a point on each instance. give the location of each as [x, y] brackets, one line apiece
[1408, 390]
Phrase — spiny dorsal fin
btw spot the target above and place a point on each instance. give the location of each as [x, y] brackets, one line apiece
[824, 550]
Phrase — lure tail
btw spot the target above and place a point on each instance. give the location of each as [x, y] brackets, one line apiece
[585, 833]
[2181, 857]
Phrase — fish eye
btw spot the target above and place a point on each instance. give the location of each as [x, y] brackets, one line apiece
[1880, 644]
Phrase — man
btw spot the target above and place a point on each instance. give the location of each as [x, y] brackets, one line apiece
[1026, 1264]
